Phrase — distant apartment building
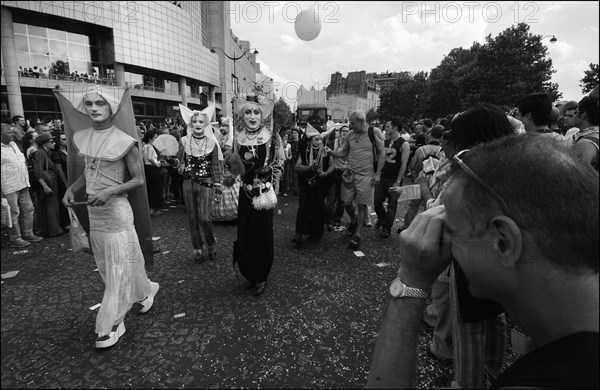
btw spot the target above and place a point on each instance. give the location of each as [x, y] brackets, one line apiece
[385, 80]
[354, 92]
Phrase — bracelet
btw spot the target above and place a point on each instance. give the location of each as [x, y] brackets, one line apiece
[429, 203]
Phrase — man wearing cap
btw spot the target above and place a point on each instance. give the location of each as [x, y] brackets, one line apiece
[360, 177]
[15, 188]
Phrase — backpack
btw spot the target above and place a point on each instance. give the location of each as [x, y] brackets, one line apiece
[375, 152]
[431, 162]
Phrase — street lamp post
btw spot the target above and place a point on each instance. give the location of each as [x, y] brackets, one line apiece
[234, 59]
[552, 40]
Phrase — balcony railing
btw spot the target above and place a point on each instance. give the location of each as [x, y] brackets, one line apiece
[79, 79]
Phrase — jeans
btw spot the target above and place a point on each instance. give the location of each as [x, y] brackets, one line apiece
[21, 212]
[382, 191]
[335, 206]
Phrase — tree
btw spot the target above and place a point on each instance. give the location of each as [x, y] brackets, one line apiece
[372, 115]
[60, 67]
[501, 71]
[590, 79]
[282, 115]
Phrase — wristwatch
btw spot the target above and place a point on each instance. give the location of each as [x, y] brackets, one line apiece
[401, 290]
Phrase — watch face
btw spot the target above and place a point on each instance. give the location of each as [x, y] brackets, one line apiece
[396, 288]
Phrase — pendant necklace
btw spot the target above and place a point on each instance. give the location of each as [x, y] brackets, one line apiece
[357, 136]
[93, 168]
[198, 145]
[251, 153]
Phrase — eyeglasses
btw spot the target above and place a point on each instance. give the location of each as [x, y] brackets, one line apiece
[473, 175]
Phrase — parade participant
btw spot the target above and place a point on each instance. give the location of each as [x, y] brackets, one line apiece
[313, 167]
[201, 170]
[262, 154]
[112, 171]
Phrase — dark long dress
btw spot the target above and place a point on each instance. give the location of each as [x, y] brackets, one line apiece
[60, 158]
[48, 212]
[310, 218]
[253, 249]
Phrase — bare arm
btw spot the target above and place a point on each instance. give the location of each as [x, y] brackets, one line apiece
[137, 180]
[70, 193]
[404, 161]
[379, 145]
[394, 363]
[585, 150]
[424, 256]
[340, 153]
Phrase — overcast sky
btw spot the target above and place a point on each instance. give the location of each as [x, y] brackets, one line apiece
[400, 36]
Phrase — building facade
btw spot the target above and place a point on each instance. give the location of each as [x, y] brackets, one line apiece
[161, 49]
[354, 92]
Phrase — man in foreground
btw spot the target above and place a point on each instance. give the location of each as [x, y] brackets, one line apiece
[534, 256]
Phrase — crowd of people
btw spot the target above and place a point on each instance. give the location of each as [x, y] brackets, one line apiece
[506, 223]
[50, 73]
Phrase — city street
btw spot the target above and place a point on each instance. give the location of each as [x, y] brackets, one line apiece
[314, 327]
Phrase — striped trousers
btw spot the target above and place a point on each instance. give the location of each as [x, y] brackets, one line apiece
[198, 201]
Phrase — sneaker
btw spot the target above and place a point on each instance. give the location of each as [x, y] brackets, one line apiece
[149, 301]
[21, 243]
[32, 238]
[112, 338]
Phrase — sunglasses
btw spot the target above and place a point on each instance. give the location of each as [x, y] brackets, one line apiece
[474, 176]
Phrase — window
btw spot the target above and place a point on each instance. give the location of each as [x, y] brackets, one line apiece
[46, 47]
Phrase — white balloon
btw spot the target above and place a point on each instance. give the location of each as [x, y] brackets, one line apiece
[307, 25]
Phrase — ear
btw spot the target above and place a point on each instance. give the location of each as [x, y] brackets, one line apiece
[507, 240]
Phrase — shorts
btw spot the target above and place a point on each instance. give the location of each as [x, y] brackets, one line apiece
[360, 190]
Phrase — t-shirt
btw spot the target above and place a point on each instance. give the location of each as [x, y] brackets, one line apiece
[570, 362]
[393, 159]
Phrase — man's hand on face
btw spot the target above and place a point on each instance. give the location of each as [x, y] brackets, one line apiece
[425, 249]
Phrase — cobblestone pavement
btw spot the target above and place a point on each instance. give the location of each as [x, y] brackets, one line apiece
[314, 327]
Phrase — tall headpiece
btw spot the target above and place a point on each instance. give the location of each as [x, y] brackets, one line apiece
[265, 106]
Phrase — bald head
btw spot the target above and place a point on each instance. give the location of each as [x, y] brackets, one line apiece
[358, 121]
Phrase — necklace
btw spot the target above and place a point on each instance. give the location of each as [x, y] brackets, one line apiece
[357, 136]
[250, 154]
[251, 136]
[93, 168]
[204, 142]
